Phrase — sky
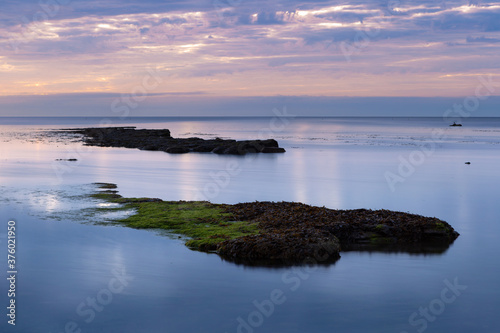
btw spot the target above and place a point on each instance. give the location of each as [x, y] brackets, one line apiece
[240, 57]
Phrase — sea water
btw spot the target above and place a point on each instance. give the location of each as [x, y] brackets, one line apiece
[75, 276]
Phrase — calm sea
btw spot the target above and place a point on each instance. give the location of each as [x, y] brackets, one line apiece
[74, 276]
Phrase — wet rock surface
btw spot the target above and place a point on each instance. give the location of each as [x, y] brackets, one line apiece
[298, 233]
[161, 140]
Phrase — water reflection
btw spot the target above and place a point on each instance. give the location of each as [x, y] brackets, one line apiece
[63, 263]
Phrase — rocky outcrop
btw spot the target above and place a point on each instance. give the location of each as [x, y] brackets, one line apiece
[161, 140]
[294, 232]
[284, 233]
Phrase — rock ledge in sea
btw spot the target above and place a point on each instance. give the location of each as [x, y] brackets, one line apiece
[291, 231]
[161, 140]
[284, 233]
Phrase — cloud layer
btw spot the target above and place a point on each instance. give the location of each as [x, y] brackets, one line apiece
[242, 48]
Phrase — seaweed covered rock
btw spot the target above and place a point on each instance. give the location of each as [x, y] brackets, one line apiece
[297, 224]
[282, 248]
[284, 233]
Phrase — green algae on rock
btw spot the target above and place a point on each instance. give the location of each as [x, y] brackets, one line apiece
[283, 233]
[204, 223]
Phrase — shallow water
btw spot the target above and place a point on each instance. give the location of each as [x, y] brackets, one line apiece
[339, 163]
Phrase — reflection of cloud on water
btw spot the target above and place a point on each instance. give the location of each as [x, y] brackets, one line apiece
[49, 201]
[107, 205]
[69, 203]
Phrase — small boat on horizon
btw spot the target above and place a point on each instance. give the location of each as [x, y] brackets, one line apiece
[455, 124]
